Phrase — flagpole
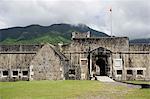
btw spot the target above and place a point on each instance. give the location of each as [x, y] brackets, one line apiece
[111, 21]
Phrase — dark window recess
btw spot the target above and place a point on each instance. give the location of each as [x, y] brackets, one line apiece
[140, 72]
[5, 73]
[40, 71]
[129, 72]
[15, 73]
[119, 72]
[72, 71]
[84, 62]
[25, 73]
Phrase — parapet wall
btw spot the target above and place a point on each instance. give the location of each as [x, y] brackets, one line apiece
[4, 48]
[110, 43]
[139, 47]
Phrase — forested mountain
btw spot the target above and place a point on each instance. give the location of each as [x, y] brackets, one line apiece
[35, 34]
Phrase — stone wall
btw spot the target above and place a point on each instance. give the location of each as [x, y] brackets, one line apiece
[13, 48]
[120, 61]
[139, 60]
[32, 62]
[139, 47]
[15, 63]
[110, 43]
[48, 65]
[80, 47]
[45, 62]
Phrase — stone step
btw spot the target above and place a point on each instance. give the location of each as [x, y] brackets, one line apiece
[104, 79]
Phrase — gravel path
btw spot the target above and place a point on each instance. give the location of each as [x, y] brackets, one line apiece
[125, 84]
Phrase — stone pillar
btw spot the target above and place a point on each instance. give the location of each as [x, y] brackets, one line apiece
[110, 66]
[60, 47]
[88, 34]
[91, 65]
[31, 73]
[73, 34]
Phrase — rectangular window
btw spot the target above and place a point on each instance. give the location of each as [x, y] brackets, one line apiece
[15, 73]
[139, 72]
[118, 63]
[119, 72]
[5, 73]
[25, 73]
[130, 72]
[83, 62]
[72, 71]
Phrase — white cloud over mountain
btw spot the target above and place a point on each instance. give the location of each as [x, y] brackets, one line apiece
[130, 17]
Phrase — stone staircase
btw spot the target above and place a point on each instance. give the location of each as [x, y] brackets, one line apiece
[104, 79]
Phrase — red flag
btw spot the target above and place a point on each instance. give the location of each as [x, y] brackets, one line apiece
[110, 10]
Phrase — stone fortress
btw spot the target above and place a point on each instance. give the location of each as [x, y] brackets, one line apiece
[84, 58]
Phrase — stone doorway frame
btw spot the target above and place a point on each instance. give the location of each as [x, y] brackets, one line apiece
[105, 54]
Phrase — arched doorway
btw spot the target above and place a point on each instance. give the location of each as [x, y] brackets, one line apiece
[101, 64]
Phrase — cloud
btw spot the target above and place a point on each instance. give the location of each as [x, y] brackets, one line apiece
[133, 18]
[129, 17]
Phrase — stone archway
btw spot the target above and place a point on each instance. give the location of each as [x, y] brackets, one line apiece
[101, 62]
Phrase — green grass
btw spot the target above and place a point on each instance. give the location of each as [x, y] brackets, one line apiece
[69, 89]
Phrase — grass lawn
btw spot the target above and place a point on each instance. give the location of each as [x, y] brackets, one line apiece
[69, 89]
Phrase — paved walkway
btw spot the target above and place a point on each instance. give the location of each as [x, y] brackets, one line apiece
[108, 80]
[104, 79]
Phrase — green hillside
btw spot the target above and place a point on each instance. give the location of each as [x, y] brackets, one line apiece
[35, 34]
[53, 39]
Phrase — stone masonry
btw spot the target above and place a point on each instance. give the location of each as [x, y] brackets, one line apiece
[84, 58]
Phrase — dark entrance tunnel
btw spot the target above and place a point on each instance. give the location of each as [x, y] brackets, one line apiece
[101, 63]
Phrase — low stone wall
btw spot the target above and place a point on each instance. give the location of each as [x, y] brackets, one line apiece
[141, 60]
[13, 48]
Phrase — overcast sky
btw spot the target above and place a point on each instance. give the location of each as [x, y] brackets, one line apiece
[129, 17]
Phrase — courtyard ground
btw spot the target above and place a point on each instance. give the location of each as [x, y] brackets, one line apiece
[70, 89]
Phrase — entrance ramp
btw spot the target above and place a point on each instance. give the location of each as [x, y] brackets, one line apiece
[104, 79]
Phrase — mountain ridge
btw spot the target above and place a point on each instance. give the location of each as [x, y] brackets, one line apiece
[140, 41]
[34, 31]
[55, 33]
